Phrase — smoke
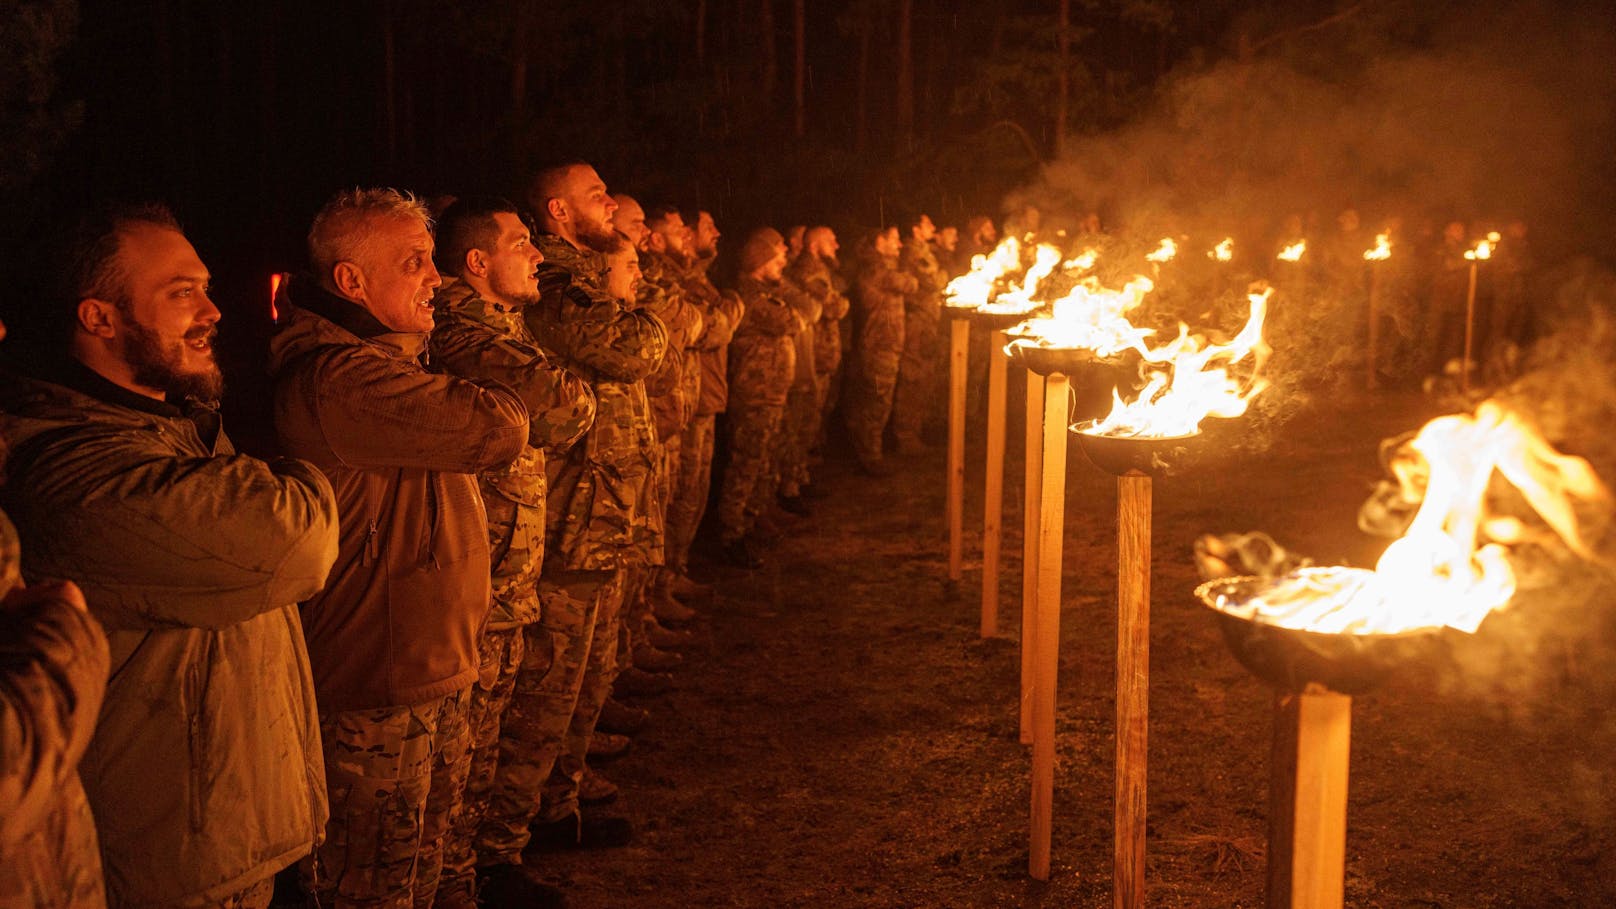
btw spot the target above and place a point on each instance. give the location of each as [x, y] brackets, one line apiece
[1428, 112]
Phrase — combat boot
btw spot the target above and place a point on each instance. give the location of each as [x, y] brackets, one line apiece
[580, 832]
[690, 591]
[595, 789]
[653, 660]
[668, 610]
[618, 717]
[634, 681]
[608, 745]
[666, 638]
[509, 887]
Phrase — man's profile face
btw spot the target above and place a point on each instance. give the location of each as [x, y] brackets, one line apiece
[948, 238]
[591, 208]
[706, 235]
[399, 277]
[629, 220]
[675, 235]
[623, 274]
[513, 262]
[773, 270]
[166, 323]
[822, 243]
[887, 242]
[924, 230]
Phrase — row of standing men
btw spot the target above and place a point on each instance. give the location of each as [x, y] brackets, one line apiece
[383, 655]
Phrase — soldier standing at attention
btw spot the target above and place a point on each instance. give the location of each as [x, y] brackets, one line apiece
[761, 369]
[882, 289]
[601, 518]
[491, 264]
[815, 271]
[393, 637]
[919, 391]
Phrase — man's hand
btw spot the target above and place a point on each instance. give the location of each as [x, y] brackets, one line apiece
[21, 598]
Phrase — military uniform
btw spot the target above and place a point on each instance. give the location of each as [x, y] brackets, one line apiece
[815, 277]
[882, 289]
[806, 396]
[601, 512]
[763, 363]
[478, 338]
[919, 392]
[710, 354]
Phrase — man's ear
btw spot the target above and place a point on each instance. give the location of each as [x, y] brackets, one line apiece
[557, 210]
[656, 243]
[349, 281]
[96, 318]
[476, 263]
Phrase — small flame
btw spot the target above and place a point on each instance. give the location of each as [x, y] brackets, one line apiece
[1019, 298]
[1223, 252]
[1382, 250]
[1081, 263]
[1293, 252]
[975, 288]
[276, 279]
[1484, 248]
[1165, 252]
[1450, 568]
[1185, 387]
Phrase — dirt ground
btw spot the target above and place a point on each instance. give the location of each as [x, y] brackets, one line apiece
[842, 737]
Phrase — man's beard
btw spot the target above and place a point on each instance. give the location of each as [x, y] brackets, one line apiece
[523, 294]
[157, 366]
[600, 238]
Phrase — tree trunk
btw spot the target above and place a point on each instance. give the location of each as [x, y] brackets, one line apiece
[389, 82]
[862, 132]
[906, 70]
[1063, 65]
[521, 45]
[701, 32]
[800, 120]
[771, 62]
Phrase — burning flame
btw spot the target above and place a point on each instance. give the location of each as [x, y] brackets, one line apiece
[1224, 251]
[1185, 387]
[1293, 252]
[1382, 250]
[1450, 568]
[275, 281]
[1484, 248]
[1081, 263]
[1165, 252]
[1019, 298]
[1091, 317]
[975, 288]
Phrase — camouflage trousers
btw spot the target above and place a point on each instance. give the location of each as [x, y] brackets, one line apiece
[918, 394]
[395, 776]
[798, 433]
[544, 695]
[499, 658]
[749, 478]
[691, 484]
[869, 399]
[560, 795]
[255, 896]
[635, 616]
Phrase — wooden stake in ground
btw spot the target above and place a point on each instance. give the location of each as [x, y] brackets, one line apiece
[1133, 687]
[1032, 500]
[1470, 328]
[1307, 799]
[958, 353]
[1051, 527]
[1374, 325]
[993, 502]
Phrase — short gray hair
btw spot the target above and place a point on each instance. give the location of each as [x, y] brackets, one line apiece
[339, 229]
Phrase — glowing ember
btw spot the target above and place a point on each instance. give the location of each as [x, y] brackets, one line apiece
[1484, 248]
[975, 288]
[1293, 252]
[1382, 250]
[1223, 252]
[1092, 317]
[1450, 568]
[1165, 252]
[1190, 380]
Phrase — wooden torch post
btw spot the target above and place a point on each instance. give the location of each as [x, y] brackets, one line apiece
[1470, 328]
[958, 352]
[993, 503]
[1031, 505]
[1051, 526]
[1307, 799]
[1133, 687]
[1374, 325]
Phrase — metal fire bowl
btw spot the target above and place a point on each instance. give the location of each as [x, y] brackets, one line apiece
[993, 321]
[1080, 365]
[1290, 660]
[1122, 455]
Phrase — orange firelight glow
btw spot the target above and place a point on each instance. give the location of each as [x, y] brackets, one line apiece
[1293, 252]
[275, 281]
[1382, 250]
[1223, 252]
[975, 288]
[1165, 252]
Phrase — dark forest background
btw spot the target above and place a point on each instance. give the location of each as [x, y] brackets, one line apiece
[245, 117]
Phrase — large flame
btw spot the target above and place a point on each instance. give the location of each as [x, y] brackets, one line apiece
[1382, 250]
[1165, 252]
[1082, 262]
[1190, 380]
[1091, 317]
[1223, 252]
[1450, 568]
[975, 288]
[1020, 297]
[1293, 252]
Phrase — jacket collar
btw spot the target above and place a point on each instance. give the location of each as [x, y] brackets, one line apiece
[306, 293]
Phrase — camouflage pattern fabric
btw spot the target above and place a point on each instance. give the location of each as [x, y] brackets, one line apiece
[500, 654]
[633, 617]
[544, 697]
[882, 288]
[675, 386]
[748, 478]
[688, 504]
[560, 795]
[919, 392]
[395, 777]
[257, 896]
[805, 398]
[722, 313]
[816, 276]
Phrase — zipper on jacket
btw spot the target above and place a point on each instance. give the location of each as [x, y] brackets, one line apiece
[372, 544]
[432, 518]
[197, 703]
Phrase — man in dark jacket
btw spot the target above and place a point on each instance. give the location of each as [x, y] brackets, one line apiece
[393, 638]
[204, 773]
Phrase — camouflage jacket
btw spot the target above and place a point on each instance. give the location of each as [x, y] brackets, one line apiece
[676, 384]
[883, 289]
[926, 300]
[476, 338]
[808, 310]
[815, 277]
[764, 355]
[721, 313]
[53, 674]
[602, 511]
